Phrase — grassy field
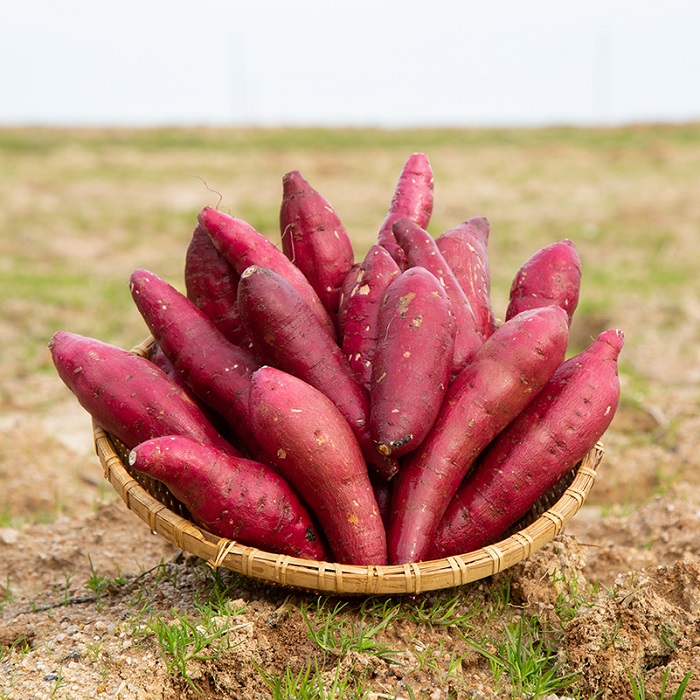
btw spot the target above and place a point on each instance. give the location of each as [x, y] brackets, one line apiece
[81, 209]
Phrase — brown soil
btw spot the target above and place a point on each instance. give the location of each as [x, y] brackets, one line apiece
[628, 564]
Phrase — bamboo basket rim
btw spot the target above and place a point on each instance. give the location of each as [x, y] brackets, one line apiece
[331, 577]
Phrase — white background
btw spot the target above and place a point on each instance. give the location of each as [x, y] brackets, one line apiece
[387, 64]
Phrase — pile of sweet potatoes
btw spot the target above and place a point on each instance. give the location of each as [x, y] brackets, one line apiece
[368, 411]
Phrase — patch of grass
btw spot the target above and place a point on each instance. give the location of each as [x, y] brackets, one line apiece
[439, 663]
[445, 610]
[6, 596]
[639, 691]
[575, 595]
[6, 517]
[310, 683]
[523, 662]
[201, 636]
[101, 585]
[337, 633]
[46, 140]
[184, 639]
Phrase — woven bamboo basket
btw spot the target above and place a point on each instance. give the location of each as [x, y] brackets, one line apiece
[167, 517]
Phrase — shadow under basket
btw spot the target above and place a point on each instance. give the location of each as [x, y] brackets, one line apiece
[167, 517]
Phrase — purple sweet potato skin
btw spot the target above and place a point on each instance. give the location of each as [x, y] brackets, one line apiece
[211, 284]
[465, 249]
[553, 433]
[159, 358]
[217, 371]
[287, 333]
[412, 361]
[413, 199]
[131, 398]
[243, 246]
[315, 239]
[236, 498]
[422, 251]
[345, 292]
[552, 275]
[359, 338]
[311, 444]
[507, 372]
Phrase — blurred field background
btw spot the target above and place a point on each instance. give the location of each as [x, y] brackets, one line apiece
[80, 209]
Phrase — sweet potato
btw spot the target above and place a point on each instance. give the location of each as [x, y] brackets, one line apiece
[359, 337]
[465, 249]
[412, 199]
[211, 284]
[345, 292]
[235, 498]
[412, 361]
[551, 276]
[288, 334]
[314, 239]
[217, 371]
[422, 251]
[127, 395]
[159, 358]
[309, 441]
[506, 373]
[544, 443]
[243, 246]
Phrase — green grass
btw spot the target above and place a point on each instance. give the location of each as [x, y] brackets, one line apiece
[523, 662]
[202, 633]
[163, 139]
[186, 638]
[639, 691]
[339, 634]
[310, 683]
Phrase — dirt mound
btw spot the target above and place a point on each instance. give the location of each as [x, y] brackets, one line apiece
[644, 627]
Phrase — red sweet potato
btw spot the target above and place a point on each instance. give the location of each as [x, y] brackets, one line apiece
[314, 239]
[243, 246]
[217, 371]
[309, 441]
[552, 275]
[159, 358]
[345, 292]
[235, 498]
[211, 284]
[465, 249]
[412, 361]
[127, 395]
[412, 199]
[288, 334]
[544, 443]
[359, 337]
[506, 373]
[422, 251]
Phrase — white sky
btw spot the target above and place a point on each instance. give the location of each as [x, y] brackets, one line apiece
[395, 63]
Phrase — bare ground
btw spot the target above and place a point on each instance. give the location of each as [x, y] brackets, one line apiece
[629, 562]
